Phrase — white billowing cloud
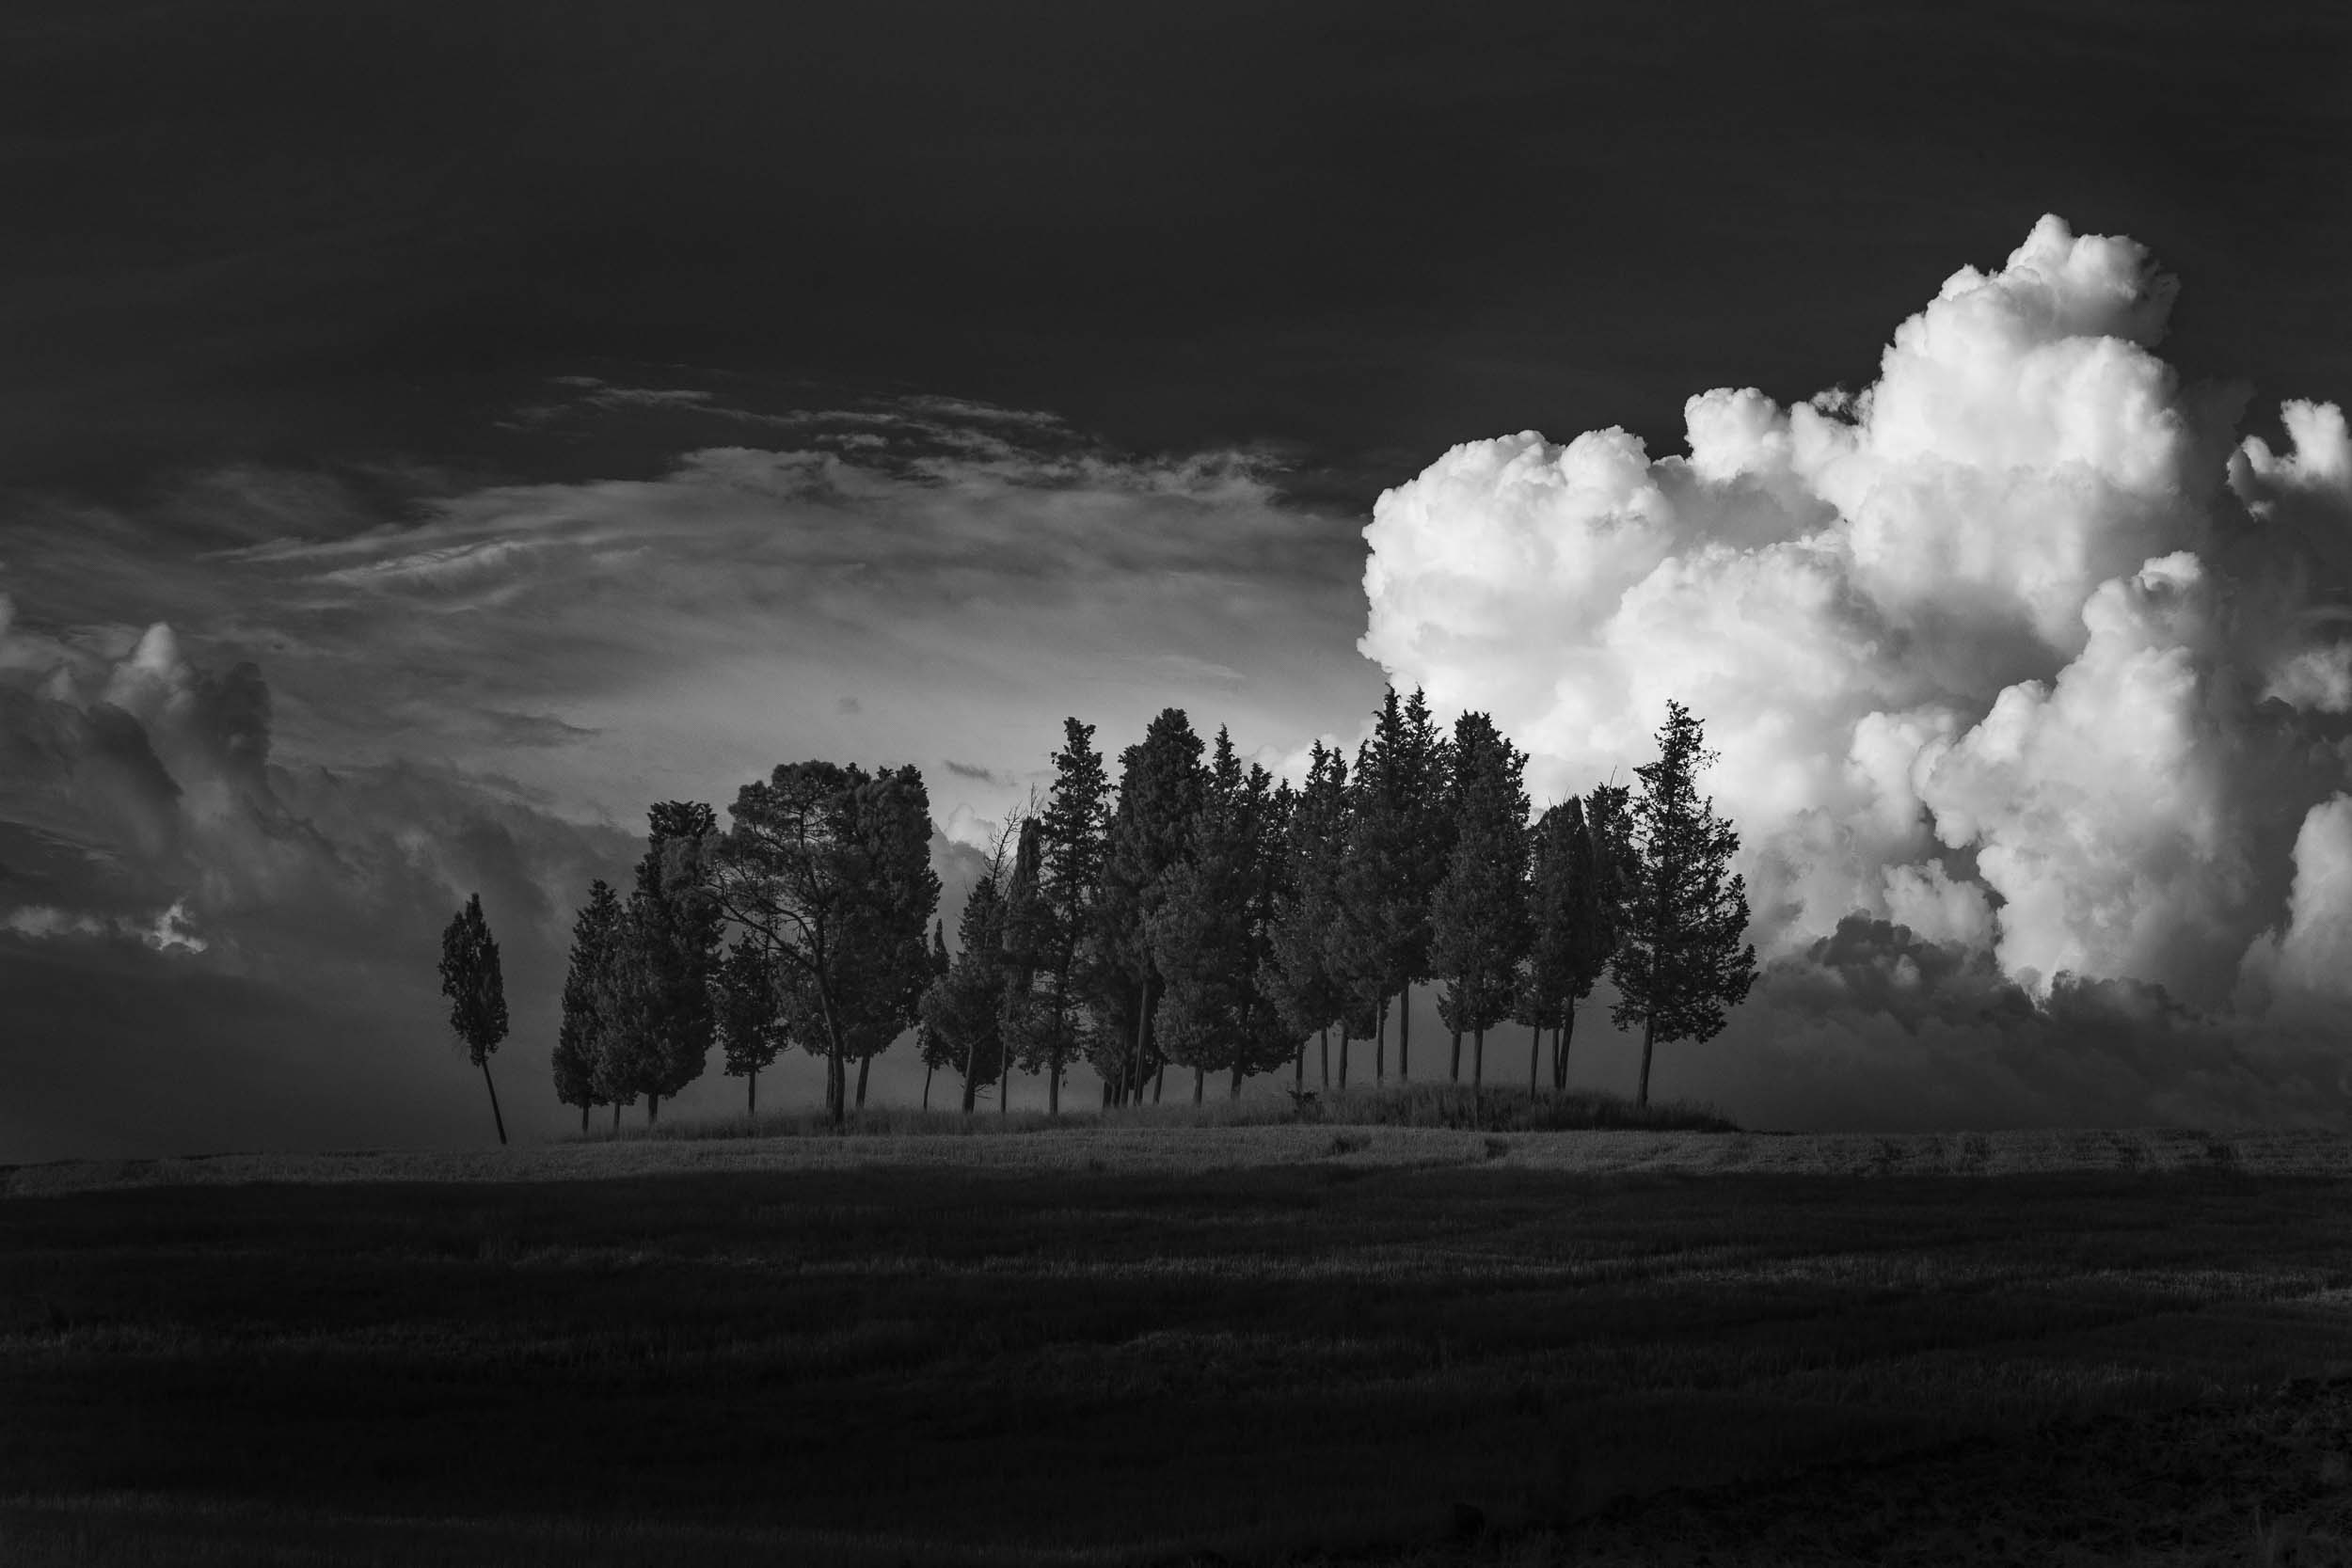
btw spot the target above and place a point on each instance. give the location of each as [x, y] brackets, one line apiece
[2307, 965]
[2011, 648]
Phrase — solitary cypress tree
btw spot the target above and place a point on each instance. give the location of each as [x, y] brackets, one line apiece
[577, 1035]
[476, 993]
[1681, 962]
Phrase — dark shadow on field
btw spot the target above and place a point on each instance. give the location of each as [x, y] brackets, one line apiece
[905, 1364]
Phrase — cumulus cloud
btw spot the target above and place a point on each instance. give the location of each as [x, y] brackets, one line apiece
[2021, 647]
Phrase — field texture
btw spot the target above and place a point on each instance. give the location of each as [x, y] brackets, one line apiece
[1379, 1344]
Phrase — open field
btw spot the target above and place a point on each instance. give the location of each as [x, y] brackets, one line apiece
[1140, 1344]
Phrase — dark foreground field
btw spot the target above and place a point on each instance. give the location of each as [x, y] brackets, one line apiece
[1321, 1358]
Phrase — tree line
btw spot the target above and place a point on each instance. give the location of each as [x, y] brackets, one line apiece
[1198, 915]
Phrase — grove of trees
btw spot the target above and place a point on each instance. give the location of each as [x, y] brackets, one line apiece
[1196, 913]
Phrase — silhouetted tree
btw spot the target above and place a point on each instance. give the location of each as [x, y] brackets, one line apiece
[1052, 926]
[579, 1032]
[1212, 931]
[1150, 832]
[1399, 849]
[476, 993]
[962, 1011]
[676, 921]
[1574, 875]
[1303, 983]
[1681, 961]
[831, 866]
[750, 1000]
[1479, 916]
[925, 1046]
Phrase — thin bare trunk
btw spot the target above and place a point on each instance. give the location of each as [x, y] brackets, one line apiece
[1478, 1066]
[1200, 1081]
[971, 1089]
[1649, 1035]
[1343, 1040]
[1404, 1037]
[926, 1085]
[1457, 1055]
[865, 1065]
[1052, 1085]
[1159, 1083]
[1326, 1055]
[653, 1109]
[1132, 1078]
[1298, 1077]
[1535, 1055]
[616, 1118]
[1236, 1083]
[751, 1095]
[584, 1119]
[1380, 1046]
[1562, 1038]
[497, 1119]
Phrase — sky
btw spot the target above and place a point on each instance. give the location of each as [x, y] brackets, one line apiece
[429, 434]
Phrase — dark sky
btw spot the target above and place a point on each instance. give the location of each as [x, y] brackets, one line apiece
[303, 234]
[560, 406]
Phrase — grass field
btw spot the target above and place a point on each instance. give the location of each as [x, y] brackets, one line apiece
[1139, 1344]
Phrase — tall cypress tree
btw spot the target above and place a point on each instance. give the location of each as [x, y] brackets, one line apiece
[962, 1011]
[1681, 961]
[476, 990]
[1160, 787]
[1304, 983]
[677, 922]
[1050, 1032]
[1211, 933]
[1479, 916]
[1398, 852]
[576, 1036]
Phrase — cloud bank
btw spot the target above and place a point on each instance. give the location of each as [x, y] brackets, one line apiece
[2021, 649]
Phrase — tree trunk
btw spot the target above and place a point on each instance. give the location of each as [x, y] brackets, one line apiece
[1404, 1037]
[1106, 1094]
[1159, 1084]
[1200, 1081]
[1457, 1055]
[1326, 1055]
[1380, 1046]
[653, 1109]
[1298, 1076]
[1004, 1081]
[1342, 1058]
[1053, 1085]
[1563, 1037]
[497, 1119]
[1478, 1061]
[1133, 1076]
[865, 1065]
[751, 1095]
[616, 1118]
[1237, 1083]
[926, 1085]
[1535, 1055]
[583, 1118]
[1649, 1033]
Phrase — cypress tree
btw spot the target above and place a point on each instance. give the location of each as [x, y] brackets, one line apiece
[753, 1014]
[576, 1036]
[677, 923]
[477, 993]
[1681, 961]
[1479, 916]
[1160, 788]
[1051, 1031]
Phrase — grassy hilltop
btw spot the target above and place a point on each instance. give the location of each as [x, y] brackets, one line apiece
[1088, 1346]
